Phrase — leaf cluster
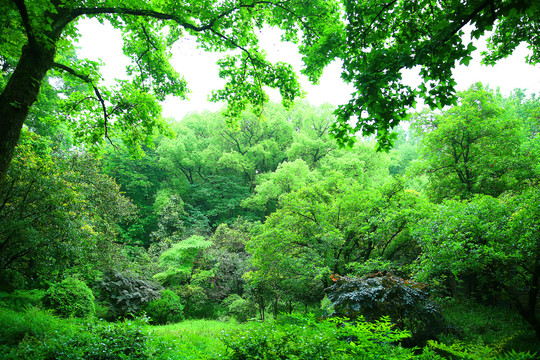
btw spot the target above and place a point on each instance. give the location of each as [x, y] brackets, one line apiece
[126, 292]
[406, 302]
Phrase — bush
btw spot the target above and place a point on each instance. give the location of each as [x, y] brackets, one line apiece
[196, 302]
[126, 292]
[493, 326]
[38, 334]
[230, 299]
[123, 340]
[242, 310]
[335, 339]
[92, 341]
[33, 322]
[71, 297]
[22, 299]
[376, 295]
[166, 310]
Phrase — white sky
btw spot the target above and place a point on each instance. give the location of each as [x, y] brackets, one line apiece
[201, 72]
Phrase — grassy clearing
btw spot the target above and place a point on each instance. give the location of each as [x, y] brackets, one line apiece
[191, 339]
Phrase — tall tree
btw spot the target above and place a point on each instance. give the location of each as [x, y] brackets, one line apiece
[492, 240]
[471, 148]
[311, 132]
[37, 34]
[330, 226]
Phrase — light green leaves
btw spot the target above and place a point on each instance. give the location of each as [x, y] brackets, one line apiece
[179, 260]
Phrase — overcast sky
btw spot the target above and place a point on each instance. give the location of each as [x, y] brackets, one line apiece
[200, 70]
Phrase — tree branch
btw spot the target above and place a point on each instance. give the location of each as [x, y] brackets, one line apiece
[26, 21]
[89, 81]
[156, 15]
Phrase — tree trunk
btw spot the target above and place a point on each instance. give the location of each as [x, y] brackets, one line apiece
[18, 96]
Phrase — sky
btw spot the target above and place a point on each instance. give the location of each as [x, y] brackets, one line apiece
[201, 72]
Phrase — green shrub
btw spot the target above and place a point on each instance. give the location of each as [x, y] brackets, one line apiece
[126, 292]
[376, 295]
[111, 341]
[37, 334]
[326, 306]
[478, 351]
[32, 322]
[334, 339]
[242, 310]
[230, 299]
[496, 327]
[22, 299]
[196, 302]
[71, 297]
[167, 309]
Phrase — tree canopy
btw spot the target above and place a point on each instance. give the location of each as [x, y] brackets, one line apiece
[385, 37]
[40, 37]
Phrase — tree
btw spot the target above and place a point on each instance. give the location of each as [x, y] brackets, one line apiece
[190, 156]
[38, 34]
[491, 241]
[57, 212]
[214, 167]
[471, 148]
[311, 133]
[385, 37]
[329, 226]
[140, 179]
[228, 259]
[179, 262]
[288, 177]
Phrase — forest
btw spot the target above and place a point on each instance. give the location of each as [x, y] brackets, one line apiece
[273, 222]
[268, 230]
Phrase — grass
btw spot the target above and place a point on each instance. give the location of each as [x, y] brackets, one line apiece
[476, 327]
[191, 339]
[502, 329]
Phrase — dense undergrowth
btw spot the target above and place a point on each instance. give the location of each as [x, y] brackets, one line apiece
[475, 332]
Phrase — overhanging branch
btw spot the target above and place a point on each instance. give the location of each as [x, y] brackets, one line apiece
[89, 81]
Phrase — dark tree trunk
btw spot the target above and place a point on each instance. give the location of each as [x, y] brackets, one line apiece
[18, 96]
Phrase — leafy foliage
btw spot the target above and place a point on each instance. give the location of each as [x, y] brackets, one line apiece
[405, 302]
[471, 148]
[327, 227]
[125, 292]
[57, 212]
[71, 297]
[488, 239]
[36, 334]
[129, 109]
[242, 310]
[377, 47]
[328, 339]
[165, 310]
[22, 299]
[196, 302]
[179, 260]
